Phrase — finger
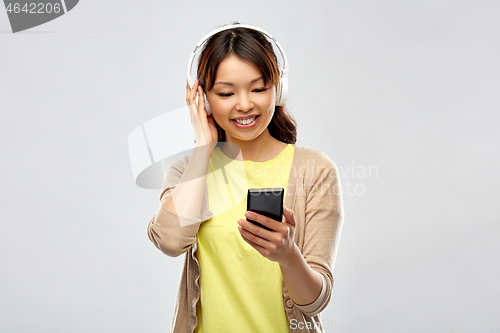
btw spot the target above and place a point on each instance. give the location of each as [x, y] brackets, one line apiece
[266, 221]
[254, 237]
[201, 100]
[268, 235]
[192, 93]
[289, 216]
[187, 90]
[257, 247]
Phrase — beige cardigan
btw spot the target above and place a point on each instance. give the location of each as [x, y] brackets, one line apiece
[313, 194]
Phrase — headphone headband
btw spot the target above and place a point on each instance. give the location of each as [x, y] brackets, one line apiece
[283, 89]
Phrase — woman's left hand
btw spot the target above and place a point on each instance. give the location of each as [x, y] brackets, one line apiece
[277, 245]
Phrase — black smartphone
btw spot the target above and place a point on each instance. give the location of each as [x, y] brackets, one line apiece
[267, 202]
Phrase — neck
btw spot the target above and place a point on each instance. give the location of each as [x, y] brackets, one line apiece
[260, 149]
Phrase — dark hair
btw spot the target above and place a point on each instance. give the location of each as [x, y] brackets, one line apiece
[252, 47]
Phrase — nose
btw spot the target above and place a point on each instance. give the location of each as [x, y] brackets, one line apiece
[244, 102]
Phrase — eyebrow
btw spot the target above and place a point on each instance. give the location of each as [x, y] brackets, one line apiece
[231, 84]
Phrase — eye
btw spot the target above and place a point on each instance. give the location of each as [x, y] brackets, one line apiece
[229, 94]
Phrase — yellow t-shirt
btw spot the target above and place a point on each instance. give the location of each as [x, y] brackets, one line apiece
[240, 289]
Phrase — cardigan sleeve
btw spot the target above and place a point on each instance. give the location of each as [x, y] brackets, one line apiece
[172, 234]
[323, 225]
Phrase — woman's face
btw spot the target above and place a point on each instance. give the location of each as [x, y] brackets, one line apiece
[239, 92]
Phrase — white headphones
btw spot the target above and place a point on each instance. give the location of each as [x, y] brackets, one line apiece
[158, 142]
[281, 89]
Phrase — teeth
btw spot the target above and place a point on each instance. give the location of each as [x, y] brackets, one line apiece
[245, 122]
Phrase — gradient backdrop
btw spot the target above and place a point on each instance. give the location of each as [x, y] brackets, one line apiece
[402, 95]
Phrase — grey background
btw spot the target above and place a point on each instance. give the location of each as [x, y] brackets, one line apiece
[408, 88]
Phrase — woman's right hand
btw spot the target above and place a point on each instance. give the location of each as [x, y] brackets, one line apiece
[203, 124]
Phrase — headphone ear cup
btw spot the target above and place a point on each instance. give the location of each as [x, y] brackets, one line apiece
[282, 91]
[207, 106]
[278, 93]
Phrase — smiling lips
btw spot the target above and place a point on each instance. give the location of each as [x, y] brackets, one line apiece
[244, 123]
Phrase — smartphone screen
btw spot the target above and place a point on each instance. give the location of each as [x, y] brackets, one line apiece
[267, 202]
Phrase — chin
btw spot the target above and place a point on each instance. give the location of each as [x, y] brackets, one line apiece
[237, 136]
